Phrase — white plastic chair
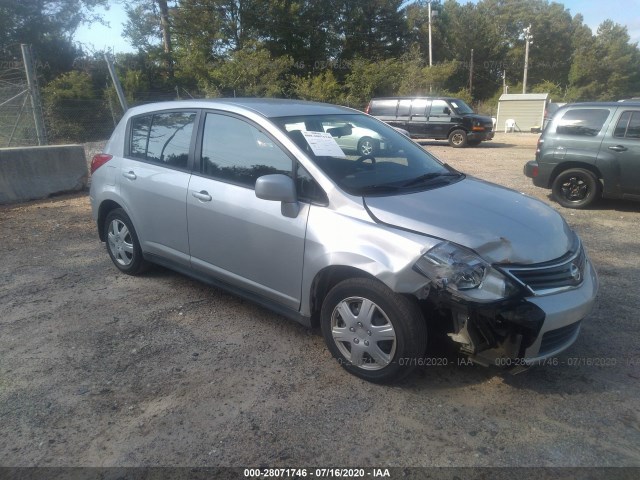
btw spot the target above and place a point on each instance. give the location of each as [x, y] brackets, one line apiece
[509, 125]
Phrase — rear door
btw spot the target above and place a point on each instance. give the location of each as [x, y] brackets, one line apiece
[621, 148]
[417, 124]
[155, 175]
[233, 235]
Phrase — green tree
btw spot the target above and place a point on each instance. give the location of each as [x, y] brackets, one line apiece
[373, 29]
[73, 110]
[322, 87]
[251, 72]
[606, 66]
[48, 26]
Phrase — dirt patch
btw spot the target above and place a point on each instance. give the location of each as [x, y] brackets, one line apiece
[101, 369]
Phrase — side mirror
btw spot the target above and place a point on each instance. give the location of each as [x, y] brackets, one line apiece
[343, 131]
[447, 111]
[279, 188]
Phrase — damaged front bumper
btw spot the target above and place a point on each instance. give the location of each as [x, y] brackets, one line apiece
[528, 330]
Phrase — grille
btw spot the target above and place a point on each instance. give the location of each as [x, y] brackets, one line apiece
[555, 339]
[564, 273]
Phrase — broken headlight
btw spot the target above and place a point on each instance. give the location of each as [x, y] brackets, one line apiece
[464, 273]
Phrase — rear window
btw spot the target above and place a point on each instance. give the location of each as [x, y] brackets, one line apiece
[628, 126]
[383, 108]
[162, 138]
[584, 122]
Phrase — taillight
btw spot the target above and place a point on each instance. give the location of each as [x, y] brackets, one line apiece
[98, 160]
[539, 146]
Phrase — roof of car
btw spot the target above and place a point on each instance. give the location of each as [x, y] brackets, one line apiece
[416, 97]
[268, 107]
[604, 104]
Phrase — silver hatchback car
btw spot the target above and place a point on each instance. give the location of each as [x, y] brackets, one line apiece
[380, 250]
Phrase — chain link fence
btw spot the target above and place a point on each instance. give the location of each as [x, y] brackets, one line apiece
[18, 108]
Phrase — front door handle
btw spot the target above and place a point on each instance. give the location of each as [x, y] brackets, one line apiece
[202, 195]
[618, 148]
[130, 175]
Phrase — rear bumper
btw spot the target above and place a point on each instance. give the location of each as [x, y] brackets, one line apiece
[540, 174]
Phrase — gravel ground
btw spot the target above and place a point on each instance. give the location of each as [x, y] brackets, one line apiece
[101, 369]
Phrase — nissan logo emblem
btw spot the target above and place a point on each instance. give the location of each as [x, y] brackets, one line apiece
[575, 273]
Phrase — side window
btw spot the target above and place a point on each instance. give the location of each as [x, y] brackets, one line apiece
[585, 122]
[140, 136]
[420, 107]
[384, 108]
[163, 138]
[440, 108]
[236, 151]
[404, 107]
[628, 126]
[308, 189]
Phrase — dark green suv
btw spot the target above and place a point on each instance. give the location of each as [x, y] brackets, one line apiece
[588, 151]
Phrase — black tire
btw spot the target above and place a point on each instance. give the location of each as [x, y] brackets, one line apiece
[122, 243]
[576, 188]
[458, 138]
[367, 146]
[394, 320]
[473, 143]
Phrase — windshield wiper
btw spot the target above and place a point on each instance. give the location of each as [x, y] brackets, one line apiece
[428, 176]
[382, 188]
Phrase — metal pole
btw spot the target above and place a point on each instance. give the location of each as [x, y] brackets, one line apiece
[116, 82]
[471, 75]
[430, 49]
[527, 42]
[33, 93]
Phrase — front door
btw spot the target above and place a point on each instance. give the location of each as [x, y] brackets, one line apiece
[233, 235]
[623, 145]
[439, 120]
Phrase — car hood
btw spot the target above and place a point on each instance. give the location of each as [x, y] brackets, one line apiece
[501, 225]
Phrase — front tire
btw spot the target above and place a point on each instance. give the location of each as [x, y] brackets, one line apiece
[458, 139]
[123, 244]
[374, 333]
[576, 188]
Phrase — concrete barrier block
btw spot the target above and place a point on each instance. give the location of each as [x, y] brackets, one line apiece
[30, 173]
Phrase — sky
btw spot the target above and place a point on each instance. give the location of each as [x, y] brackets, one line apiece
[625, 12]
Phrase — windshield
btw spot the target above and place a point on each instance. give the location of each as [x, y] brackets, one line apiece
[460, 107]
[364, 156]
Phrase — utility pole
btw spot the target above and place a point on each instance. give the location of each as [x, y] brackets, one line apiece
[527, 41]
[471, 75]
[432, 14]
[32, 85]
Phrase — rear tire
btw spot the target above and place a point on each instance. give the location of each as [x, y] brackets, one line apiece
[458, 139]
[373, 332]
[367, 146]
[576, 188]
[122, 242]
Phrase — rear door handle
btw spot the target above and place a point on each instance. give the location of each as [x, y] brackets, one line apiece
[130, 175]
[202, 195]
[618, 148]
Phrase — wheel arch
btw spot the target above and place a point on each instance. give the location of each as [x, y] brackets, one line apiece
[105, 207]
[457, 127]
[561, 167]
[325, 280]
